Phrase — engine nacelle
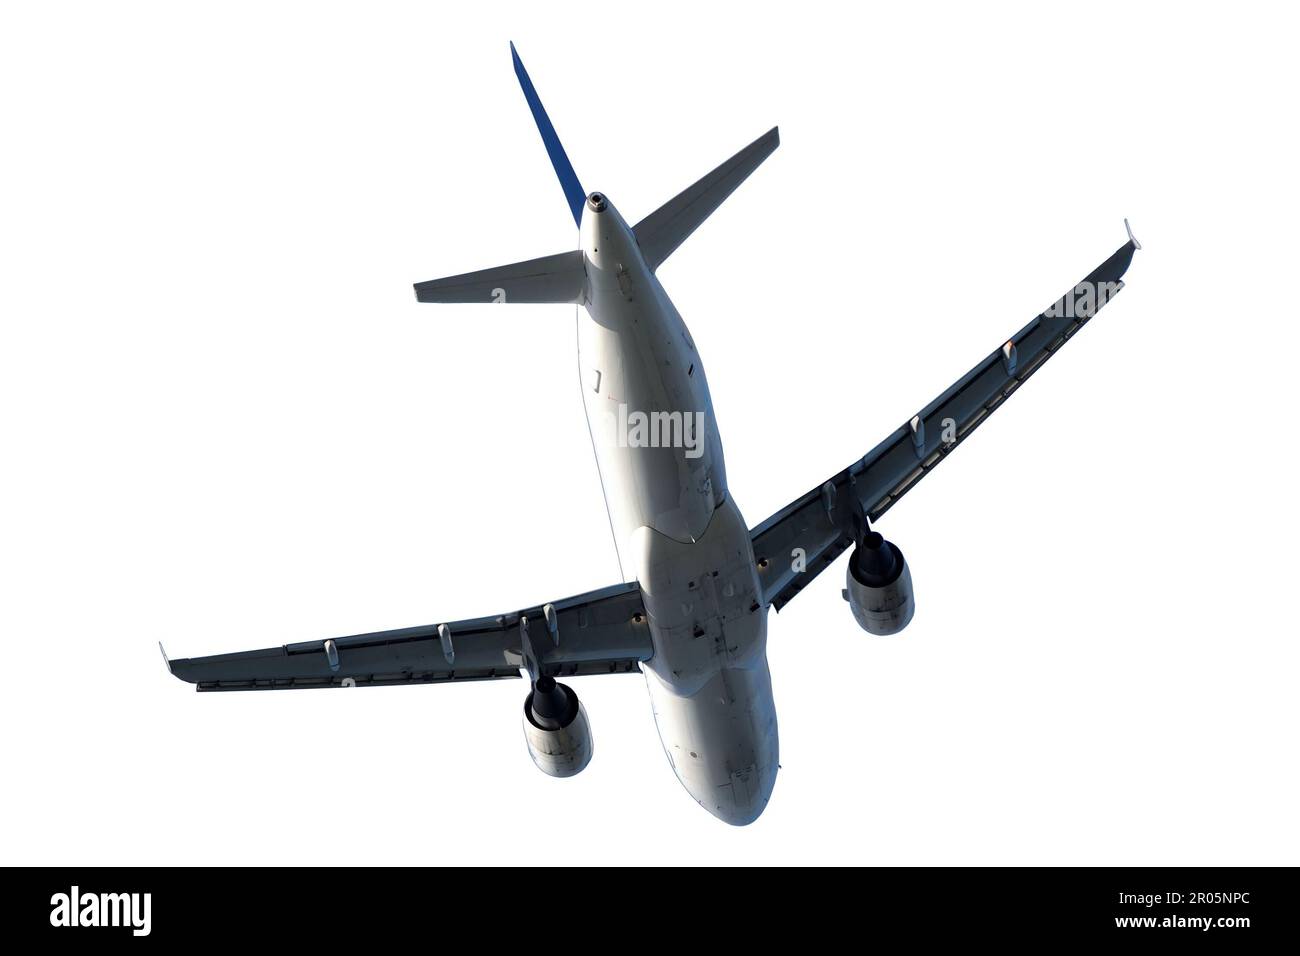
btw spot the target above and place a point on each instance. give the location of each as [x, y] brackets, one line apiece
[879, 586]
[556, 728]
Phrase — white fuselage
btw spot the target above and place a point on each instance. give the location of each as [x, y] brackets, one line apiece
[676, 528]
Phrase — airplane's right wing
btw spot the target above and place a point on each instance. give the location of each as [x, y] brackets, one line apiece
[601, 632]
[819, 526]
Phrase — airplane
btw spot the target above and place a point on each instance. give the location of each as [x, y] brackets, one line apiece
[692, 616]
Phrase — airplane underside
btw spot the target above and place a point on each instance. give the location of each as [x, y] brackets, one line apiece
[693, 616]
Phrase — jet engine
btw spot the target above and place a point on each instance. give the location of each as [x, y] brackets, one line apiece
[879, 586]
[556, 728]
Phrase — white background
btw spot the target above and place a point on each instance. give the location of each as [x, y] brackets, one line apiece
[227, 424]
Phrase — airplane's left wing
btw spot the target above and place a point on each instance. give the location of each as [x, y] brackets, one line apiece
[805, 537]
[601, 632]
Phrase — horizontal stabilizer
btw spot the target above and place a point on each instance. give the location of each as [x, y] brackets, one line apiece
[558, 278]
[661, 232]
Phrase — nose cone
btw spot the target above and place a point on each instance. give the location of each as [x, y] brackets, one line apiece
[722, 740]
[743, 799]
[597, 202]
